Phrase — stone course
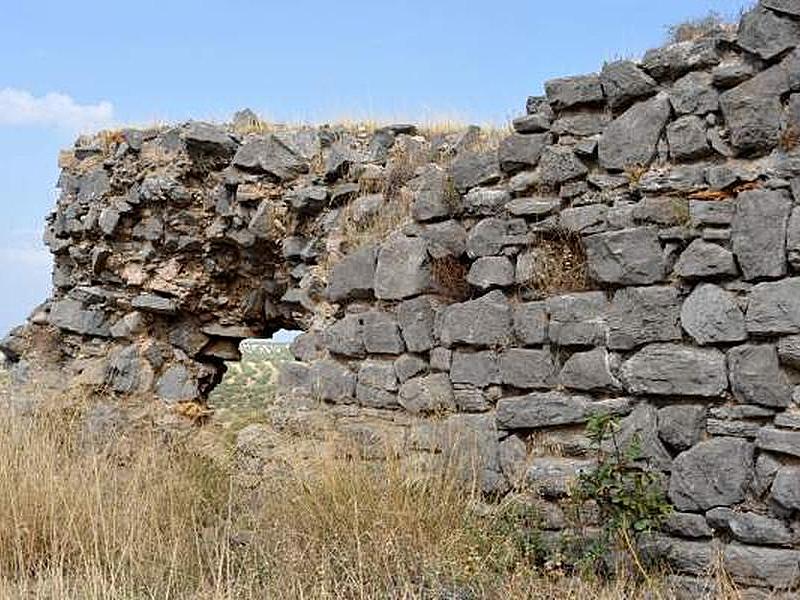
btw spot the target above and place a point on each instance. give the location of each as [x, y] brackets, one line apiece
[668, 189]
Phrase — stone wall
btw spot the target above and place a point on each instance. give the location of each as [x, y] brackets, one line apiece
[632, 248]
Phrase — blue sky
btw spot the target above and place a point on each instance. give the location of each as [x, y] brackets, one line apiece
[71, 66]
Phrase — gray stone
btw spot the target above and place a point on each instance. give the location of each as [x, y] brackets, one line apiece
[309, 200]
[416, 319]
[373, 397]
[551, 409]
[381, 333]
[641, 428]
[491, 271]
[126, 372]
[484, 202]
[403, 268]
[518, 152]
[687, 138]
[512, 454]
[643, 315]
[578, 319]
[786, 487]
[534, 123]
[71, 315]
[530, 323]
[177, 384]
[759, 233]
[108, 220]
[694, 94]
[733, 428]
[631, 138]
[471, 169]
[294, 378]
[582, 124]
[354, 276]
[676, 59]
[440, 358]
[712, 316]
[433, 196]
[208, 138]
[682, 556]
[485, 321]
[345, 337]
[753, 111]
[154, 304]
[479, 369]
[188, 337]
[712, 473]
[731, 73]
[674, 370]
[526, 369]
[585, 219]
[793, 239]
[687, 525]
[572, 91]
[660, 210]
[751, 528]
[271, 156]
[589, 371]
[681, 426]
[764, 567]
[623, 82]
[774, 308]
[488, 237]
[626, 257]
[129, 326]
[558, 164]
[779, 440]
[756, 376]
[788, 7]
[332, 382]
[429, 394]
[789, 351]
[555, 477]
[446, 238]
[767, 34]
[533, 207]
[408, 366]
[702, 259]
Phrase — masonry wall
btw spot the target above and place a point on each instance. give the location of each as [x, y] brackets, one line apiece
[632, 248]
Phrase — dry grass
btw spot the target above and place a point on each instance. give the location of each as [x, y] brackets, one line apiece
[790, 138]
[559, 264]
[695, 29]
[449, 278]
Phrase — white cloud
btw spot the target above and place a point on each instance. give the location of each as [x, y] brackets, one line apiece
[19, 107]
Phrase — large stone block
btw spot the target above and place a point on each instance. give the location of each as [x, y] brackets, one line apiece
[702, 259]
[479, 369]
[271, 156]
[681, 426]
[559, 164]
[779, 440]
[756, 376]
[551, 409]
[641, 315]
[530, 323]
[589, 371]
[623, 82]
[491, 271]
[767, 34]
[578, 319]
[774, 308]
[403, 268]
[631, 138]
[71, 315]
[675, 370]
[429, 394]
[751, 528]
[786, 487]
[764, 567]
[626, 257]
[345, 337]
[526, 369]
[713, 473]
[416, 318]
[572, 91]
[759, 233]
[332, 382]
[354, 276]
[517, 151]
[485, 321]
[381, 333]
[712, 316]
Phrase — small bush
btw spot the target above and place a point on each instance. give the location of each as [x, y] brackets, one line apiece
[696, 28]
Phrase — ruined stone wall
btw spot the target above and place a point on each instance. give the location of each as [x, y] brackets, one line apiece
[632, 248]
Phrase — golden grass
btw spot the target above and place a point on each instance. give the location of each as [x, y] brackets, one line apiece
[559, 264]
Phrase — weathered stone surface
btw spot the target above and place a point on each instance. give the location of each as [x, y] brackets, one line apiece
[345, 337]
[687, 138]
[471, 400]
[446, 238]
[589, 371]
[471, 169]
[550, 409]
[578, 319]
[408, 366]
[381, 333]
[767, 34]
[676, 59]
[763, 567]
[526, 369]
[484, 201]
[403, 268]
[789, 351]
[177, 384]
[485, 321]
[155, 304]
[479, 369]
[429, 394]
[518, 152]
[534, 123]
[671, 369]
[555, 477]
[643, 315]
[681, 426]
[558, 164]
[332, 382]
[374, 397]
[779, 440]
[641, 428]
[694, 94]
[623, 82]
[489, 236]
[626, 257]
[208, 138]
[416, 319]
[774, 308]
[759, 233]
[440, 358]
[786, 487]
[271, 156]
[702, 259]
[712, 316]
[585, 219]
[788, 7]
[491, 271]
[751, 528]
[530, 322]
[793, 238]
[631, 138]
[433, 198]
[687, 525]
[756, 376]
[71, 315]
[571, 91]
[294, 378]
[712, 473]
[533, 207]
[354, 276]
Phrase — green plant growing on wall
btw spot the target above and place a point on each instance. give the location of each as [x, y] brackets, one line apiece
[630, 498]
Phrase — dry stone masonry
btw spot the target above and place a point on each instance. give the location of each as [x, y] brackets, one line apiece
[632, 248]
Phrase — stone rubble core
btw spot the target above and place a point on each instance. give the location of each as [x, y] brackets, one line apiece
[632, 248]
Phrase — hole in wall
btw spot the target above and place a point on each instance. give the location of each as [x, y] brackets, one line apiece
[249, 384]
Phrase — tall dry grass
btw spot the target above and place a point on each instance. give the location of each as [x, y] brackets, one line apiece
[149, 516]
